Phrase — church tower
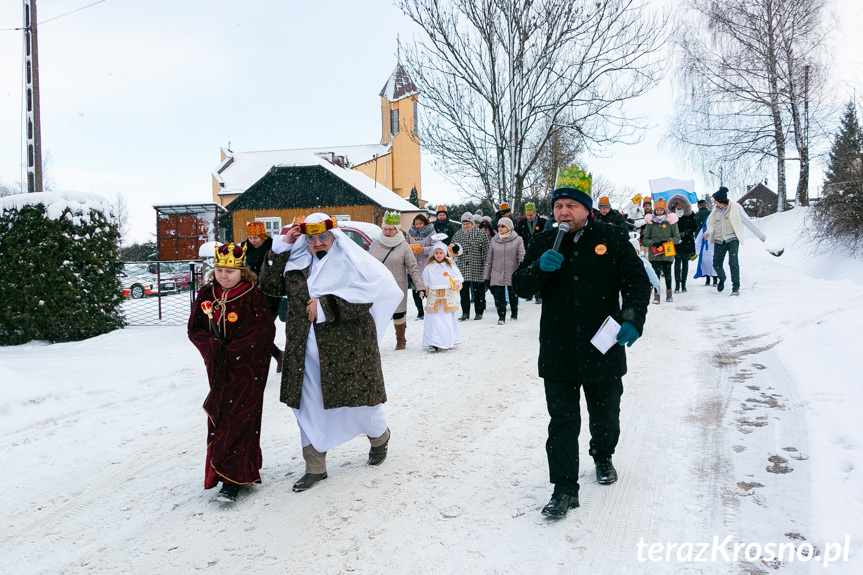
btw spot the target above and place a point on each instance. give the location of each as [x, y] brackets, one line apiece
[399, 123]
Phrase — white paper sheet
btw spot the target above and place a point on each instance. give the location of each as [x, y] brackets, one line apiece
[606, 336]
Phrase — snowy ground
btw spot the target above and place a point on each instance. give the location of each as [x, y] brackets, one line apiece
[740, 425]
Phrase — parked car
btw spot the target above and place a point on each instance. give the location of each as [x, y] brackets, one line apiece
[138, 282]
[363, 233]
[180, 272]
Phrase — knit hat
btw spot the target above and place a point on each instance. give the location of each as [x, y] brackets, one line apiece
[529, 207]
[574, 184]
[486, 219]
[255, 229]
[721, 195]
[467, 217]
[506, 222]
[604, 201]
[660, 205]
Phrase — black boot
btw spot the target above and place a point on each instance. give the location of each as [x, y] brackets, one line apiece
[379, 453]
[309, 479]
[720, 286]
[228, 493]
[606, 474]
[463, 317]
[477, 316]
[676, 287]
[559, 504]
[707, 280]
[683, 286]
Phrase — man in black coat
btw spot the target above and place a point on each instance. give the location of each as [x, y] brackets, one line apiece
[443, 225]
[258, 243]
[531, 226]
[608, 215]
[580, 286]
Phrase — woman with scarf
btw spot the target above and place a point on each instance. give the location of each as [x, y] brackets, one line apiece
[688, 228]
[420, 241]
[340, 300]
[505, 252]
[393, 251]
[659, 229]
[232, 327]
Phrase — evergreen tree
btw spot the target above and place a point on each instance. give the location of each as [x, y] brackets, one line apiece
[839, 215]
[414, 199]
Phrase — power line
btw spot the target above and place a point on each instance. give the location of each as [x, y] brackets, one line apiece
[55, 17]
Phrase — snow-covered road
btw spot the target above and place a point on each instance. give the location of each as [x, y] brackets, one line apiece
[102, 444]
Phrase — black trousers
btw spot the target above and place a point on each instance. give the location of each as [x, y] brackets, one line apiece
[478, 297]
[663, 268]
[681, 269]
[561, 448]
[500, 295]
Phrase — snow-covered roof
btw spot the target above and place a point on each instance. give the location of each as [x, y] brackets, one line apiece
[378, 193]
[398, 86]
[240, 170]
[80, 204]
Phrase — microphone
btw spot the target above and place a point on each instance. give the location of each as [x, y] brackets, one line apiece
[562, 229]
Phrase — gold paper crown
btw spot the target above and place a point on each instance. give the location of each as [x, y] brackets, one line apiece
[604, 201]
[318, 228]
[574, 178]
[392, 218]
[231, 256]
[504, 207]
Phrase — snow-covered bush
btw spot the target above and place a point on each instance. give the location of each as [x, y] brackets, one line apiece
[61, 260]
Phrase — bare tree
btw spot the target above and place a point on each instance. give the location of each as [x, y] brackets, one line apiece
[120, 214]
[748, 72]
[8, 190]
[499, 78]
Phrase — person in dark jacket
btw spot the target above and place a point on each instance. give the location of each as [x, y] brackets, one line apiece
[610, 216]
[258, 243]
[581, 287]
[532, 225]
[702, 213]
[443, 225]
[687, 227]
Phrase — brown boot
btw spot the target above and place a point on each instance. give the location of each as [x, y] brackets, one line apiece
[401, 342]
[656, 296]
[667, 295]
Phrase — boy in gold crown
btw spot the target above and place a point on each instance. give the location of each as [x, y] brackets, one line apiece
[232, 327]
[581, 284]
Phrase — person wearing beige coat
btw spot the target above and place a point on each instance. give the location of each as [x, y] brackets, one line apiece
[393, 251]
[505, 252]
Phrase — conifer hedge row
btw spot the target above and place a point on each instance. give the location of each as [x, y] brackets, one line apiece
[59, 275]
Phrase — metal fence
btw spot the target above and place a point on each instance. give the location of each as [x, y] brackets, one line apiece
[160, 293]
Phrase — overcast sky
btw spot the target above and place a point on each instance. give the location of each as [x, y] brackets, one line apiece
[137, 97]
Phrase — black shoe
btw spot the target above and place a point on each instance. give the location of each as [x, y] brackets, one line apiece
[379, 453]
[421, 316]
[309, 479]
[477, 316]
[715, 279]
[707, 280]
[559, 505]
[735, 292]
[720, 286]
[683, 288]
[677, 288]
[463, 317]
[228, 493]
[537, 300]
[606, 474]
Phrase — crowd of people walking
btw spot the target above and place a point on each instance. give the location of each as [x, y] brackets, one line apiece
[337, 300]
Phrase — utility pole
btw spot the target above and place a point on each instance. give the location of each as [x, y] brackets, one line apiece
[31, 96]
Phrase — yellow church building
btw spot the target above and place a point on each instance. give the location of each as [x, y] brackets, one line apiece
[374, 177]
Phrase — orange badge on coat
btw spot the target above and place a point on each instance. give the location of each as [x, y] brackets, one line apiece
[600, 249]
[232, 317]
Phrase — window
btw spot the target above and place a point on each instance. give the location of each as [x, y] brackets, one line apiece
[273, 226]
[394, 122]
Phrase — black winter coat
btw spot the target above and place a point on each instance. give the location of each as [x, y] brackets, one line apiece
[687, 227]
[578, 297]
[612, 218]
[446, 227]
[523, 228]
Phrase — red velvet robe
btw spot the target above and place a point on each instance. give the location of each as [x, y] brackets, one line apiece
[236, 397]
